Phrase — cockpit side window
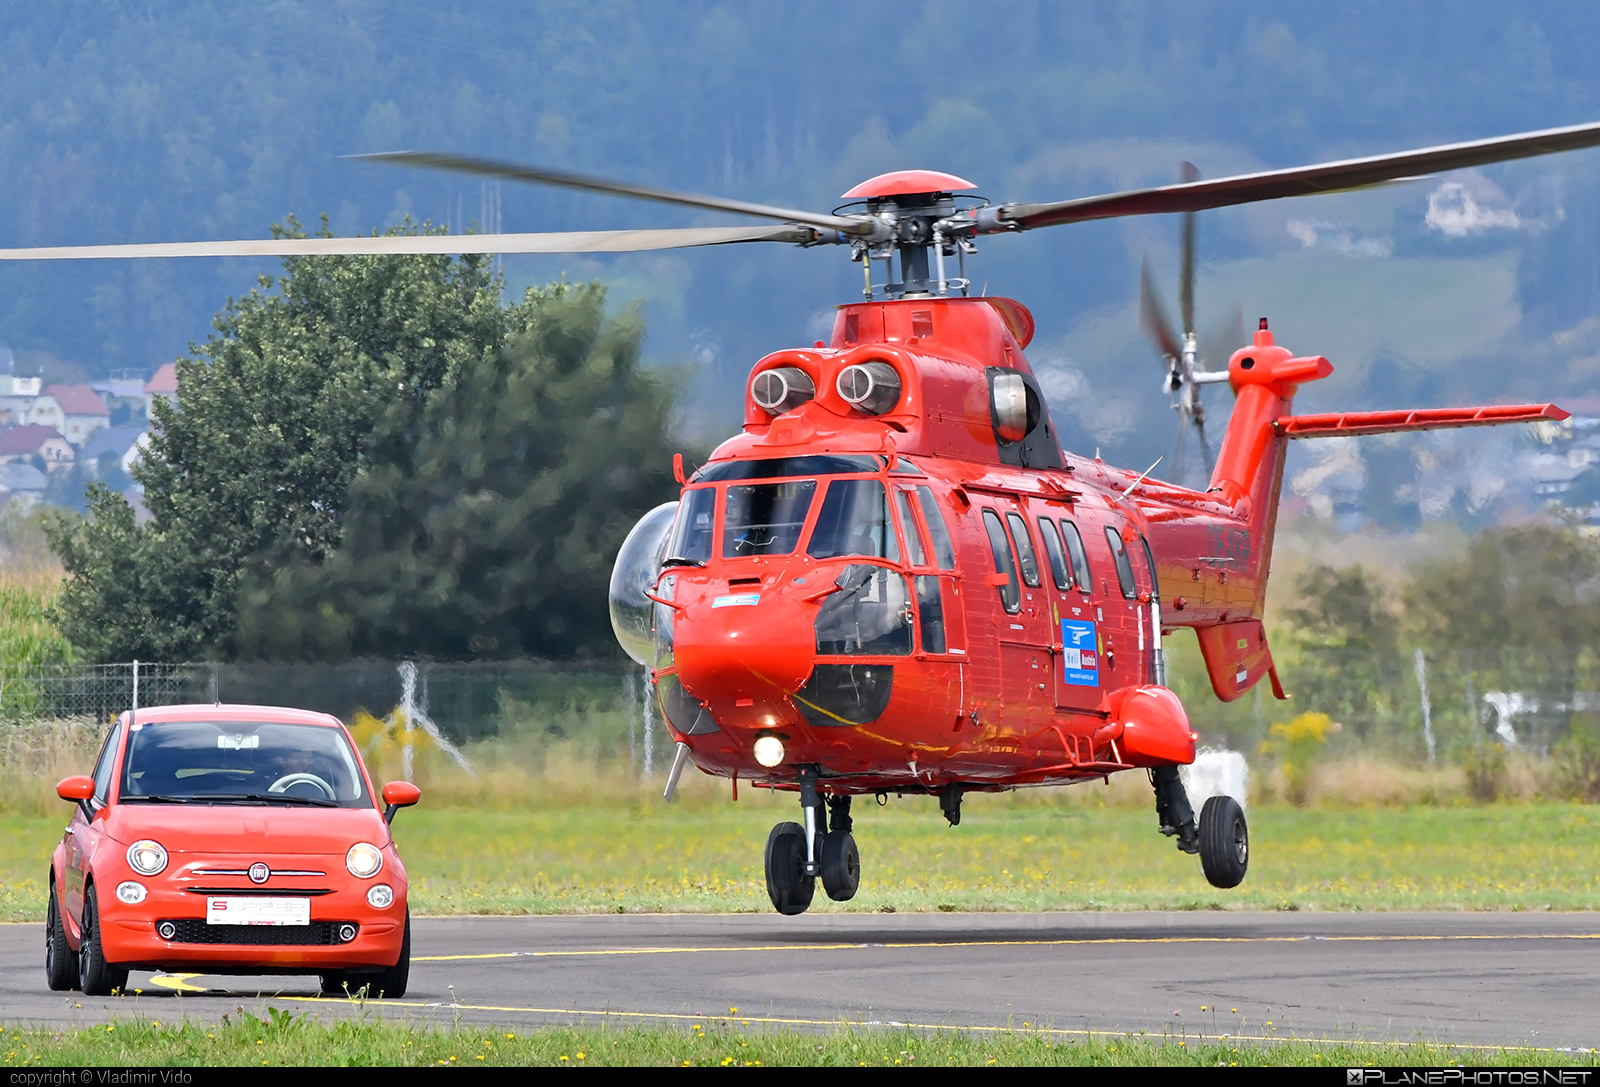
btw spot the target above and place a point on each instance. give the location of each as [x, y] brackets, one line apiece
[854, 520]
[916, 554]
[691, 536]
[1119, 555]
[942, 549]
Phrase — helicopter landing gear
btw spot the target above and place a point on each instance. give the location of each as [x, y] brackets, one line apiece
[1224, 842]
[1173, 813]
[841, 863]
[797, 855]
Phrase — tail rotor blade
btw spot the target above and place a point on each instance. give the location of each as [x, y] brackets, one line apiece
[1154, 316]
[1223, 340]
[1175, 469]
[1205, 447]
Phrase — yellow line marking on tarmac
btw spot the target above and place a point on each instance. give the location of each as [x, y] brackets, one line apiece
[791, 1021]
[935, 944]
[177, 982]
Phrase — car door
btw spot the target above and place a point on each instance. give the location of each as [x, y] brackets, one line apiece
[83, 835]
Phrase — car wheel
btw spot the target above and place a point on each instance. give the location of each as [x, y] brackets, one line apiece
[391, 983]
[60, 965]
[96, 977]
[334, 984]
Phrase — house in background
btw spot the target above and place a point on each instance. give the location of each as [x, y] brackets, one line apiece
[121, 442]
[23, 443]
[22, 482]
[75, 410]
[164, 383]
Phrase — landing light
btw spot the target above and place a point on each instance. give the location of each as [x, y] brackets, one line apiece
[769, 751]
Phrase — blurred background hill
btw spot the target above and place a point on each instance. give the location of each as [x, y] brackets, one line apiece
[177, 120]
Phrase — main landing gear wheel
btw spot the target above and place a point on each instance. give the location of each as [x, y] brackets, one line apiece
[841, 865]
[1224, 842]
[787, 884]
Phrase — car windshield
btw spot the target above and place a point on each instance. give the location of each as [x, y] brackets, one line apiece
[245, 762]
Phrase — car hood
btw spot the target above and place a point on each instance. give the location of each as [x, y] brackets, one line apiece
[239, 828]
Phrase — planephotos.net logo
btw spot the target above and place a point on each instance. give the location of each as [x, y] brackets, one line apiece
[1451, 1077]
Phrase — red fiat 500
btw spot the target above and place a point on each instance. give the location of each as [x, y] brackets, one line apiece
[229, 840]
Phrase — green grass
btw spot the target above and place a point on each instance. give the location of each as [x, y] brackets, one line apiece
[1010, 853]
[277, 1038]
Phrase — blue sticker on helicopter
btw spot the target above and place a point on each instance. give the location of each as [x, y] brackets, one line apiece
[1080, 656]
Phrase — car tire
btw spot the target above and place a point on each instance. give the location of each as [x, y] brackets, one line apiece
[60, 964]
[333, 984]
[96, 977]
[391, 983]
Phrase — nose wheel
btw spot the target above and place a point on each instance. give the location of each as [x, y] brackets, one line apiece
[797, 856]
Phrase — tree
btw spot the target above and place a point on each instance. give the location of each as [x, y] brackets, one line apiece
[1347, 643]
[312, 402]
[488, 517]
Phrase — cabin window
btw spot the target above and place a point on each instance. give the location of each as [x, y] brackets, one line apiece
[1150, 562]
[869, 615]
[1081, 577]
[1052, 549]
[916, 553]
[765, 518]
[1025, 557]
[1119, 555]
[691, 536]
[855, 521]
[942, 550]
[1010, 595]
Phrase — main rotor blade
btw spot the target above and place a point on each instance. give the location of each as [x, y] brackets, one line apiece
[511, 172]
[577, 241]
[1303, 180]
[1186, 266]
[1154, 316]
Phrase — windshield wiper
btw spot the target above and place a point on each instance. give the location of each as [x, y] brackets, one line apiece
[153, 798]
[678, 560]
[267, 798]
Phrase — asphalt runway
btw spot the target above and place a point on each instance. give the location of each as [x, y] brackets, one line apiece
[1514, 979]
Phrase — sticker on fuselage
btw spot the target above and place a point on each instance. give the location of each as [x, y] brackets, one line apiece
[1080, 658]
[737, 600]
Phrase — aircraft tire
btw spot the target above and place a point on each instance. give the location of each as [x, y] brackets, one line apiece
[1224, 842]
[841, 865]
[787, 884]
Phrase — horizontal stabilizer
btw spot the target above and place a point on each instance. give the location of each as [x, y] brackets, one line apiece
[1334, 424]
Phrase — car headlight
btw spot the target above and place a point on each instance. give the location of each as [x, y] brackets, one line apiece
[363, 860]
[130, 892]
[380, 896]
[147, 857]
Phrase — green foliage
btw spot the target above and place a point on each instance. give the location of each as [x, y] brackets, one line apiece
[1345, 645]
[1296, 746]
[1577, 759]
[1487, 771]
[380, 457]
[487, 517]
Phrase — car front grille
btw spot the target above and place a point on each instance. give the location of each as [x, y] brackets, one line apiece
[316, 934]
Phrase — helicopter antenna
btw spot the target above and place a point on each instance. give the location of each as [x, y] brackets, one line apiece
[1142, 476]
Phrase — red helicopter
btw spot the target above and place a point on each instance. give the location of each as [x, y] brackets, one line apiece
[895, 579]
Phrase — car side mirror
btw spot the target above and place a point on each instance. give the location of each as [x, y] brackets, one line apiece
[79, 789]
[397, 795]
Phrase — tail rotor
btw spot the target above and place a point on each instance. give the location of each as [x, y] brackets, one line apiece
[1186, 363]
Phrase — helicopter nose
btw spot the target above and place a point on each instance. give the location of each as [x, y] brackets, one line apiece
[743, 646]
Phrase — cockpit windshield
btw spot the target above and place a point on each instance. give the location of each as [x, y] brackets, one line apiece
[765, 518]
[855, 520]
[241, 762]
